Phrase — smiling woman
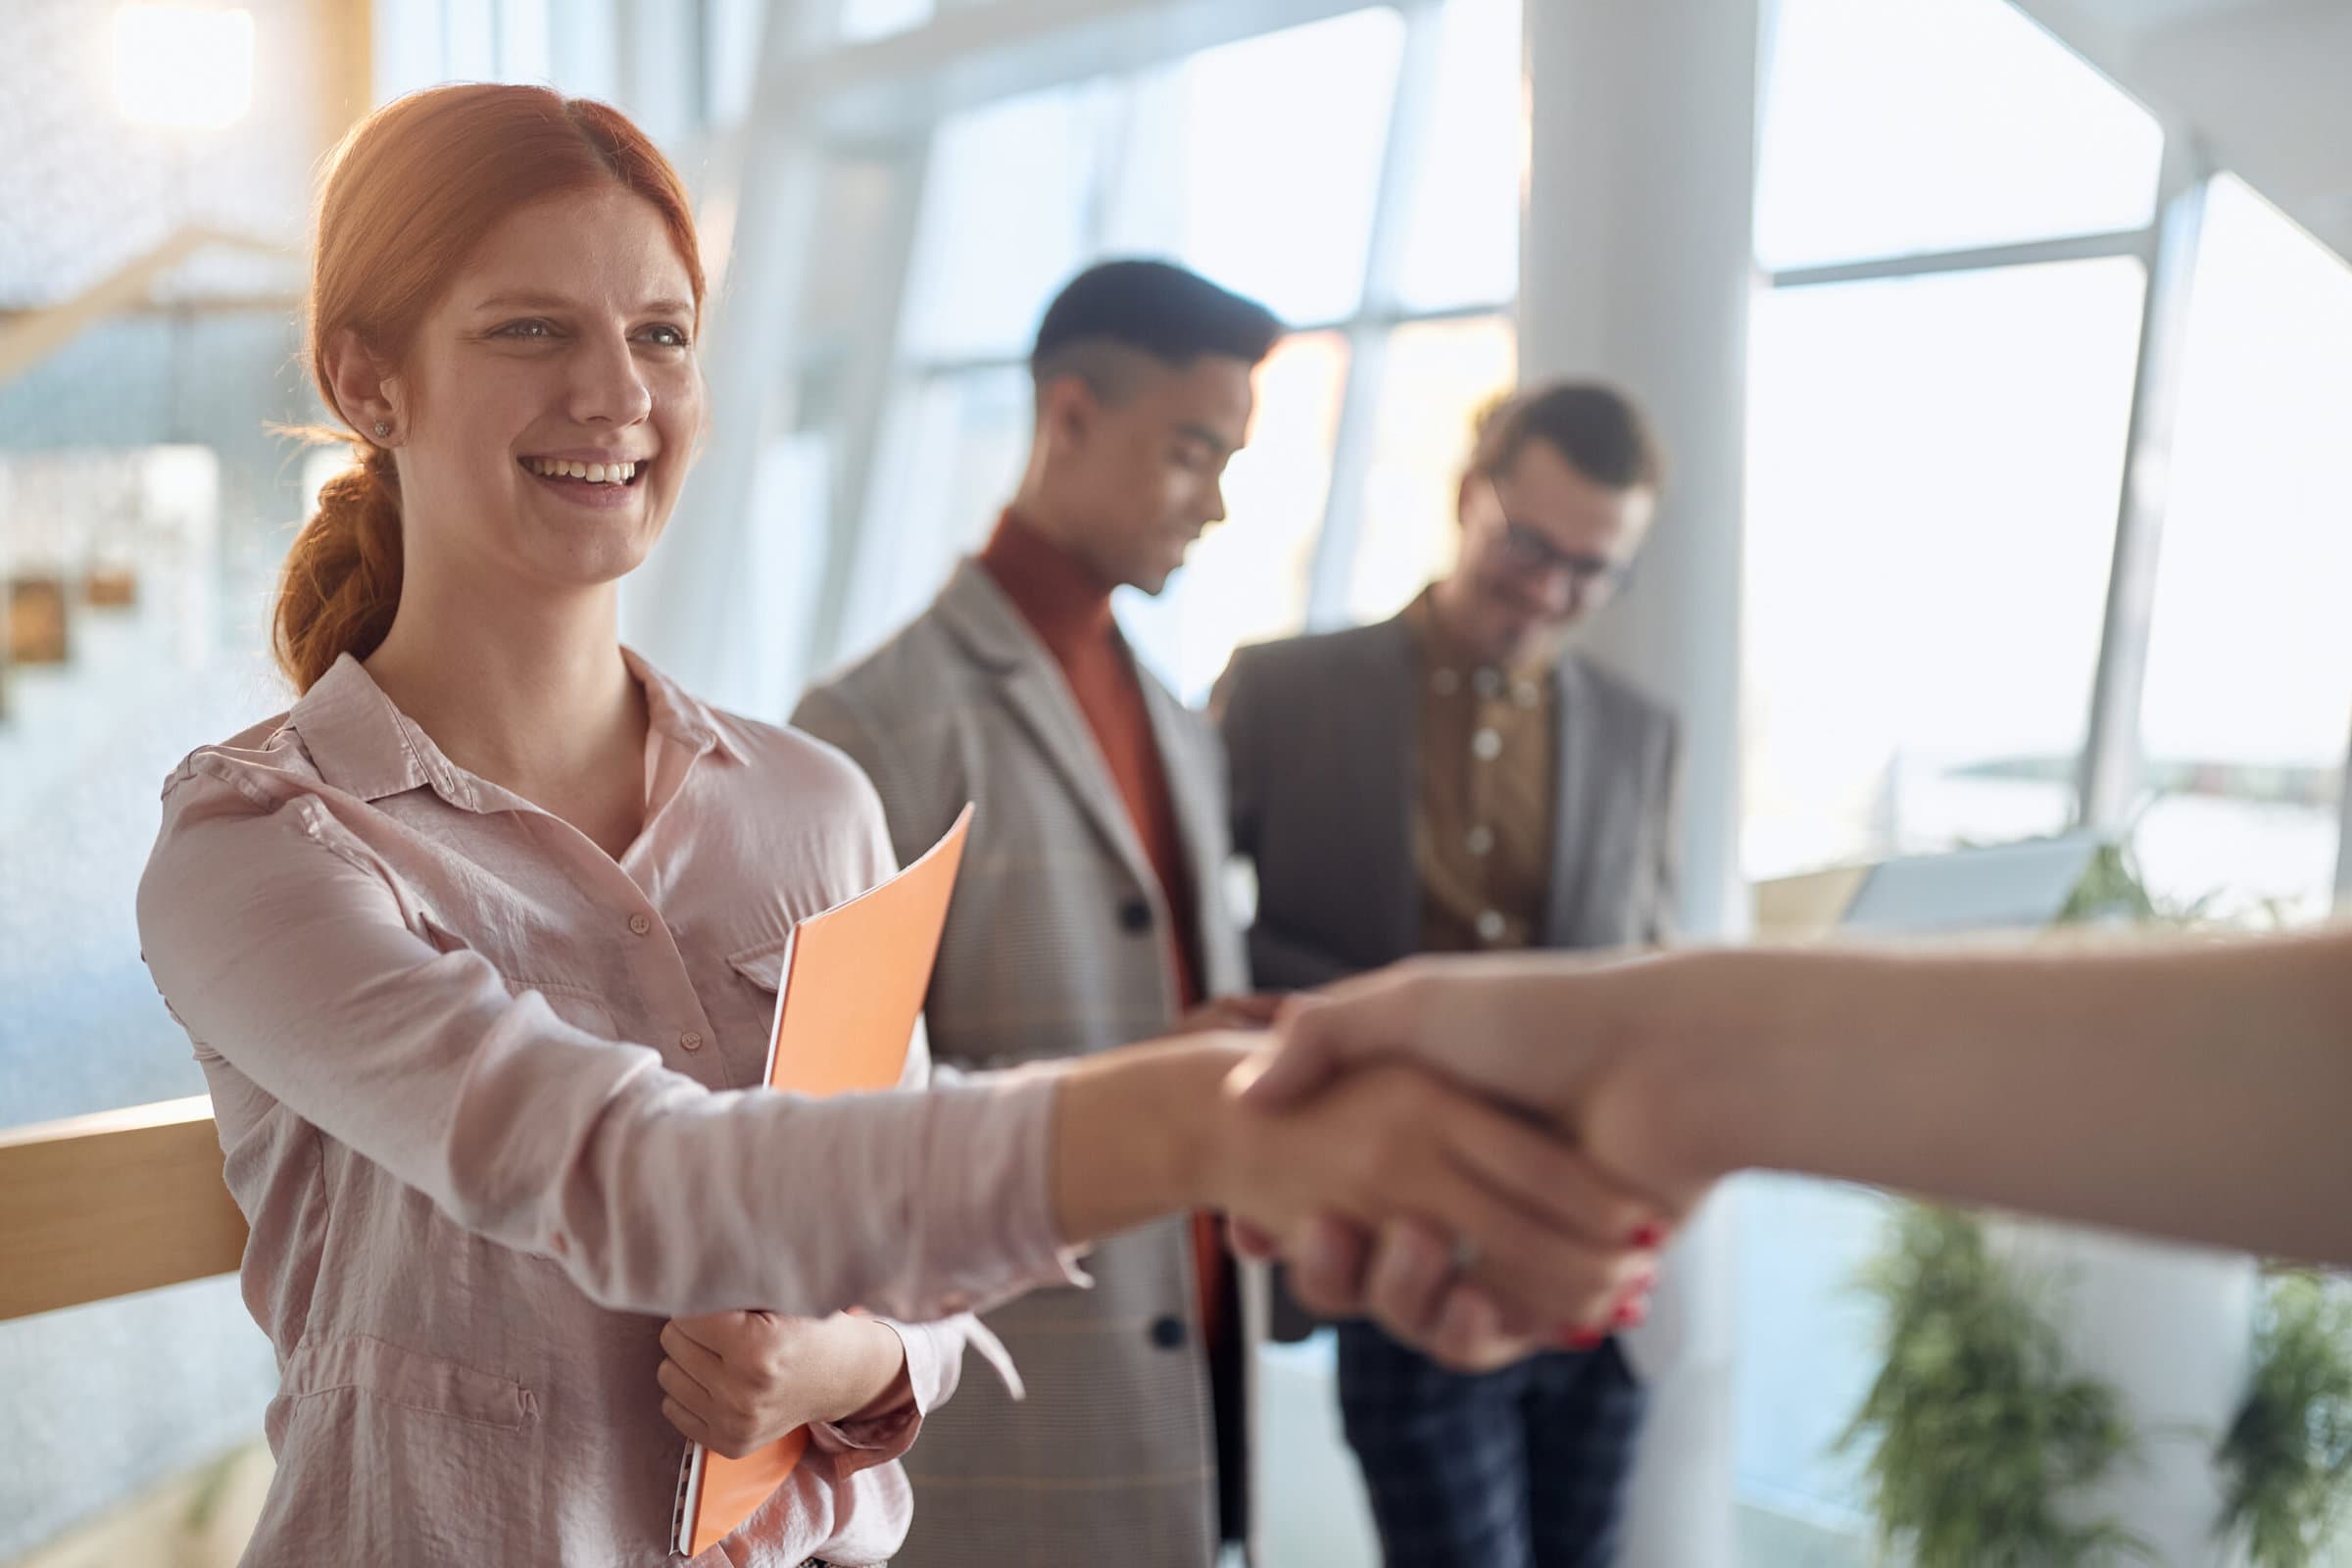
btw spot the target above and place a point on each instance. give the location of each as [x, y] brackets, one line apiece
[459, 940]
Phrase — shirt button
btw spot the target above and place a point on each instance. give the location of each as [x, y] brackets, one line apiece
[1135, 916]
[1485, 745]
[1489, 926]
[1480, 840]
[1487, 682]
[691, 1040]
[1168, 1333]
[1444, 683]
[640, 925]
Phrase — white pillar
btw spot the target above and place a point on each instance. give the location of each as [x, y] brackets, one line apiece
[1637, 268]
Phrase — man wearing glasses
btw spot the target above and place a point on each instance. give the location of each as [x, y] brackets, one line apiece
[1458, 779]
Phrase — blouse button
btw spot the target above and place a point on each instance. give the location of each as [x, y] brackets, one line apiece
[640, 925]
[691, 1039]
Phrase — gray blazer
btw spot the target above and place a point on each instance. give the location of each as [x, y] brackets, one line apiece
[1325, 757]
[1325, 754]
[1056, 945]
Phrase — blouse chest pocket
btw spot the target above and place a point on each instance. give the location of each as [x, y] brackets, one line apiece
[576, 1004]
[759, 982]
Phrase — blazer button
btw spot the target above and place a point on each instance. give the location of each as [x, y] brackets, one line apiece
[1135, 916]
[1168, 1333]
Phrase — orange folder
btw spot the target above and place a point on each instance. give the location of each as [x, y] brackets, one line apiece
[854, 981]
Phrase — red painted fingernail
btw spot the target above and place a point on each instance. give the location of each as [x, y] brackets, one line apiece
[1579, 1337]
[1648, 1238]
[1633, 1313]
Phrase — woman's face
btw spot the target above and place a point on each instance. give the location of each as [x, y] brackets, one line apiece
[549, 405]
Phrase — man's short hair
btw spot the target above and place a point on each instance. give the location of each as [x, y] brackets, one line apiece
[1601, 431]
[1112, 313]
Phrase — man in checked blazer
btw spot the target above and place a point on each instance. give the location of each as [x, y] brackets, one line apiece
[1088, 914]
[1456, 779]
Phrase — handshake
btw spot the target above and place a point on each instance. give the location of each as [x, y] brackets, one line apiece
[1436, 1148]
[1485, 1154]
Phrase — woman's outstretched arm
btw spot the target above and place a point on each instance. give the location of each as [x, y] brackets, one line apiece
[286, 953]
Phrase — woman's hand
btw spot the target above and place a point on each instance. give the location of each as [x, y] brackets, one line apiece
[1242, 1011]
[1470, 1194]
[735, 1382]
[1527, 1225]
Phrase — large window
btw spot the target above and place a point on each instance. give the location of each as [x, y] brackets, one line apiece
[1937, 429]
[1935, 124]
[2248, 704]
[1935, 470]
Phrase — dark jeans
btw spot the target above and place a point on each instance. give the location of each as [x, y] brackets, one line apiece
[1521, 1468]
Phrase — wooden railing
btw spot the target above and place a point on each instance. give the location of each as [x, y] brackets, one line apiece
[124, 1201]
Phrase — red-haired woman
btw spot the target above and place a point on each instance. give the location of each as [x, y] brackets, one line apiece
[477, 945]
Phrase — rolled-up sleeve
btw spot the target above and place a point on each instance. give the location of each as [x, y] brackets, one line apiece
[934, 1369]
[278, 941]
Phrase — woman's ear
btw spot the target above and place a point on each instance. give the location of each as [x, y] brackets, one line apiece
[366, 395]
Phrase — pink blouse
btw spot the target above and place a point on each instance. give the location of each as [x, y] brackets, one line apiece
[487, 1098]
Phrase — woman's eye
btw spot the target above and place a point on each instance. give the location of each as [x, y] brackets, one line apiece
[668, 337]
[526, 329]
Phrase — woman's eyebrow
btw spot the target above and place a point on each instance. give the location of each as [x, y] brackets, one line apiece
[555, 302]
[523, 302]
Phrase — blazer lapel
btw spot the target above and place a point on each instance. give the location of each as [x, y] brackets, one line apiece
[979, 614]
[1575, 760]
[1384, 776]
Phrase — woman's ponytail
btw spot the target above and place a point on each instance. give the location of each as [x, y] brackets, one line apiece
[342, 576]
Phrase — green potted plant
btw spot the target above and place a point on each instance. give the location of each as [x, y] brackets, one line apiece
[2286, 1459]
[1983, 1443]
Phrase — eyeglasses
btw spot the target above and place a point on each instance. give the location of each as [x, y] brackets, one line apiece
[1528, 551]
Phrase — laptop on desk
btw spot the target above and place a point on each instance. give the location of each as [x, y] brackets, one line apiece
[2002, 887]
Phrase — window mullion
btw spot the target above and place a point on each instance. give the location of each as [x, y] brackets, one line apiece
[1410, 111]
[2109, 779]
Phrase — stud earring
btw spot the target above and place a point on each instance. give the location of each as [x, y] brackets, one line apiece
[382, 429]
